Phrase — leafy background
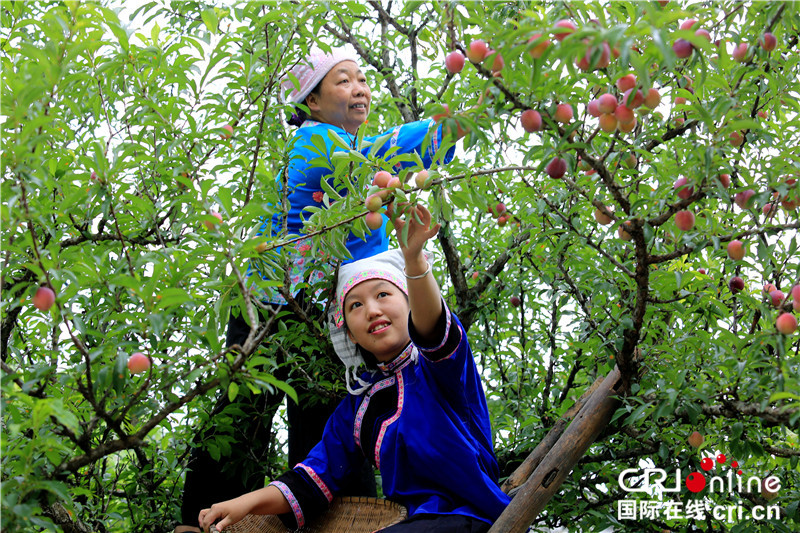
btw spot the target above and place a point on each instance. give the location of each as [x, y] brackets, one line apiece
[114, 158]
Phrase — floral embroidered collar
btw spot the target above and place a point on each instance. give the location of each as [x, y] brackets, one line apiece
[408, 355]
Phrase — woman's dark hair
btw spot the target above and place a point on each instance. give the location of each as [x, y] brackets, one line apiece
[299, 116]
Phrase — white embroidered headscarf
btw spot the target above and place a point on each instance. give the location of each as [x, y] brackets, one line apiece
[388, 266]
[310, 71]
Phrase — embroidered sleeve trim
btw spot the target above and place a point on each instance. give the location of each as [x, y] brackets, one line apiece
[364, 404]
[435, 139]
[448, 322]
[390, 421]
[293, 503]
[318, 480]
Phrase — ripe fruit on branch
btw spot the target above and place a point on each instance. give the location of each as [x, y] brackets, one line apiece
[736, 284]
[563, 28]
[652, 98]
[421, 179]
[696, 439]
[725, 180]
[768, 42]
[769, 287]
[626, 82]
[608, 123]
[438, 117]
[556, 168]
[374, 220]
[627, 127]
[624, 114]
[538, 50]
[786, 323]
[776, 297]
[454, 62]
[736, 139]
[381, 179]
[585, 63]
[602, 218]
[606, 103]
[44, 298]
[682, 48]
[515, 301]
[688, 24]
[477, 51]
[740, 52]
[209, 224]
[769, 488]
[684, 220]
[682, 187]
[796, 297]
[742, 199]
[228, 131]
[633, 98]
[497, 62]
[531, 120]
[138, 363]
[736, 250]
[703, 33]
[623, 231]
[630, 161]
[563, 113]
[373, 203]
[593, 107]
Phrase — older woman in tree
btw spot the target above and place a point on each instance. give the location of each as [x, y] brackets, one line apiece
[331, 94]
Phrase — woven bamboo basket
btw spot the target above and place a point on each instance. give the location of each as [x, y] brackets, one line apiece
[347, 514]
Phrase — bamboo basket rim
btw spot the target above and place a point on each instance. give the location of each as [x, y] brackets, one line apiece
[346, 514]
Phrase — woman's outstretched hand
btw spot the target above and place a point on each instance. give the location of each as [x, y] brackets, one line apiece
[420, 230]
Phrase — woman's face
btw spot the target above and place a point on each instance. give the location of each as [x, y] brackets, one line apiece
[376, 312]
[343, 99]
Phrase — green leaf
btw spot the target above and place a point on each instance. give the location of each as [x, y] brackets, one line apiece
[210, 19]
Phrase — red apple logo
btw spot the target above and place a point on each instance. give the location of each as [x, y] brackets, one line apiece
[695, 482]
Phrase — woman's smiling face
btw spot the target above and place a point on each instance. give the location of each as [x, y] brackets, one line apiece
[376, 314]
[343, 98]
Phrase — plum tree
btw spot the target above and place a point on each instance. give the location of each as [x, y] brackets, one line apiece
[138, 97]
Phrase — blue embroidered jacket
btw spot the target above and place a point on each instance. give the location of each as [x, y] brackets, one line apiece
[423, 423]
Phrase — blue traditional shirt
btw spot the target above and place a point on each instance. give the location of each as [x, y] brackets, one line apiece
[424, 424]
[305, 189]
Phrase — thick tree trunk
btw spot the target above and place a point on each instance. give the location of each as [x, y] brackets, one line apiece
[523, 471]
[562, 457]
